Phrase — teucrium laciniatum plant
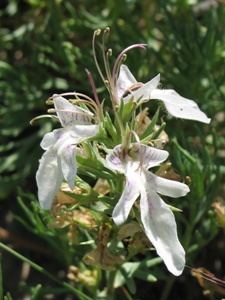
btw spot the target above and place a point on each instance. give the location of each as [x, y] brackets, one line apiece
[116, 151]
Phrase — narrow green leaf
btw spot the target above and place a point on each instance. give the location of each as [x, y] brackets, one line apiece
[144, 275]
[36, 292]
[8, 297]
[1, 283]
[150, 128]
[40, 269]
[129, 281]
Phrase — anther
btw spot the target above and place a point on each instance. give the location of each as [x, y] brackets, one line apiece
[51, 111]
[107, 30]
[97, 32]
[106, 82]
[124, 57]
[109, 52]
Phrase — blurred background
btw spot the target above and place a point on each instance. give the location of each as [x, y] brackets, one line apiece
[45, 47]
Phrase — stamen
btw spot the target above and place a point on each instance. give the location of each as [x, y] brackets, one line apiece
[121, 57]
[97, 32]
[51, 111]
[133, 119]
[106, 82]
[132, 89]
[208, 276]
[126, 146]
[43, 116]
[94, 90]
[124, 57]
[109, 53]
[91, 105]
[107, 66]
[140, 166]
[71, 94]
[107, 30]
[89, 102]
[106, 54]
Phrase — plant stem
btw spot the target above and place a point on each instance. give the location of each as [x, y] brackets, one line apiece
[168, 287]
[1, 285]
[126, 293]
[110, 285]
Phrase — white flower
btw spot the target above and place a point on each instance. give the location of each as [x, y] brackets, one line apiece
[176, 105]
[59, 160]
[157, 218]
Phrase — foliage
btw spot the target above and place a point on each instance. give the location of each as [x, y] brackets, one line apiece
[45, 48]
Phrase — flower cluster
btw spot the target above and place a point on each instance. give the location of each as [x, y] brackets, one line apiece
[119, 154]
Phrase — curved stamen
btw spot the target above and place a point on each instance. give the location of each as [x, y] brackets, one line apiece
[71, 94]
[116, 66]
[97, 32]
[94, 91]
[93, 106]
[106, 54]
[43, 116]
[89, 102]
[127, 146]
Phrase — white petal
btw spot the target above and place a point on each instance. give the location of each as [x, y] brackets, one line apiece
[167, 187]
[68, 164]
[49, 139]
[61, 137]
[70, 114]
[126, 201]
[125, 81]
[180, 107]
[144, 92]
[49, 178]
[160, 227]
[84, 131]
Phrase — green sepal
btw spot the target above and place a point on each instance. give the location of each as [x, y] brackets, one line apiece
[111, 129]
[175, 209]
[147, 134]
[93, 168]
[157, 133]
[126, 110]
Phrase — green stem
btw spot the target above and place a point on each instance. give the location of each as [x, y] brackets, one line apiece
[128, 296]
[46, 273]
[110, 285]
[167, 288]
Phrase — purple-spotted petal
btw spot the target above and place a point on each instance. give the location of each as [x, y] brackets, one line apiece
[113, 160]
[127, 199]
[149, 157]
[180, 107]
[70, 114]
[160, 227]
[68, 164]
[152, 157]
